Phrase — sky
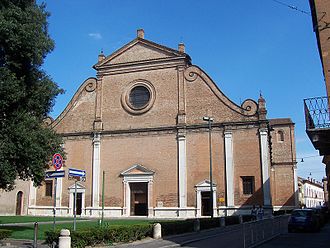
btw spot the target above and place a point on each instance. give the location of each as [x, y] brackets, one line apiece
[246, 47]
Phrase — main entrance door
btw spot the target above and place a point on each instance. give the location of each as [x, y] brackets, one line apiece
[139, 199]
[206, 204]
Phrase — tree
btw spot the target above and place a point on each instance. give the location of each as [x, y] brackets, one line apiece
[27, 93]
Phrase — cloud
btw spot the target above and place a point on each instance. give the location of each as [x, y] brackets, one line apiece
[96, 36]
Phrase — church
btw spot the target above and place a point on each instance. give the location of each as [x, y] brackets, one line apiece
[167, 142]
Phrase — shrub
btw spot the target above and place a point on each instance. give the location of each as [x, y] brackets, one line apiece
[232, 220]
[104, 235]
[177, 227]
[4, 233]
[209, 223]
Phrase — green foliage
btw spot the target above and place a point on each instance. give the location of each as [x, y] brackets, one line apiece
[27, 93]
[106, 235]
[4, 233]
[177, 227]
[52, 236]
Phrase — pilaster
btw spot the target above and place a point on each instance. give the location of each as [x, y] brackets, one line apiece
[181, 120]
[295, 185]
[229, 163]
[182, 159]
[96, 170]
[59, 192]
[265, 167]
[32, 195]
[150, 198]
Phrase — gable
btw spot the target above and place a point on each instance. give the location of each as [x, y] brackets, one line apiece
[140, 50]
[137, 170]
[205, 183]
[79, 186]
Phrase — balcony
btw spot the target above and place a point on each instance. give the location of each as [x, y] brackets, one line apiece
[318, 123]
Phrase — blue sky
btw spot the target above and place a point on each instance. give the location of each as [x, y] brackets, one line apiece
[246, 47]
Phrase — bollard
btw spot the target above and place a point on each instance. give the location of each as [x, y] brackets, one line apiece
[222, 221]
[64, 241]
[35, 239]
[197, 225]
[157, 231]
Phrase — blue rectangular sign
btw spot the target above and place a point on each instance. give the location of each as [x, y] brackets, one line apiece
[55, 174]
[77, 173]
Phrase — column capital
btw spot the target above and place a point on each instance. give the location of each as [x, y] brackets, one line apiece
[181, 134]
[263, 131]
[97, 138]
[228, 133]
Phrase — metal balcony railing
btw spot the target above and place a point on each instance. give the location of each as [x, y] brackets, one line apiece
[317, 113]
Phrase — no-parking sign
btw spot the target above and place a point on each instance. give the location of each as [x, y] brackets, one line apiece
[57, 161]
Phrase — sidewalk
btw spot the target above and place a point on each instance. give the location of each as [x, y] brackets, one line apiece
[19, 243]
[179, 240]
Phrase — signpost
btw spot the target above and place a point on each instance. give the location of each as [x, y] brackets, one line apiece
[57, 162]
[77, 175]
[55, 174]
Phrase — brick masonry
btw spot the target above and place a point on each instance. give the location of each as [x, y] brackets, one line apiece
[182, 95]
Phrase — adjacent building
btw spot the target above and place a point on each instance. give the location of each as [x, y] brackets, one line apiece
[168, 143]
[311, 193]
[317, 108]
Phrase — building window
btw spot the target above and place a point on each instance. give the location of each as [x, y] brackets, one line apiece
[49, 188]
[139, 97]
[280, 136]
[248, 185]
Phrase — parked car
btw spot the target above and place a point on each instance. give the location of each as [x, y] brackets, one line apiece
[320, 214]
[304, 219]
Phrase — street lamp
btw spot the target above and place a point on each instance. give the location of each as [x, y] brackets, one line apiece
[210, 120]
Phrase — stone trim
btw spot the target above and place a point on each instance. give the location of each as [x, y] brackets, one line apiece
[248, 108]
[96, 170]
[80, 189]
[204, 186]
[89, 85]
[229, 168]
[265, 166]
[182, 159]
[125, 97]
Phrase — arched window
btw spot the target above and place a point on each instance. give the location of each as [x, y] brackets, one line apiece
[280, 136]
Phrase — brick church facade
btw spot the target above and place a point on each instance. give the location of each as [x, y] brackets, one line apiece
[140, 121]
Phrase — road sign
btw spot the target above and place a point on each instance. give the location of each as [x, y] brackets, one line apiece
[77, 173]
[55, 174]
[57, 161]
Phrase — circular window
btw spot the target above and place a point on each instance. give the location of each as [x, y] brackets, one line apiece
[138, 97]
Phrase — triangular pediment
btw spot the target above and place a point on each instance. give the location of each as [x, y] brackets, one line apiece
[137, 170]
[79, 186]
[140, 50]
[205, 183]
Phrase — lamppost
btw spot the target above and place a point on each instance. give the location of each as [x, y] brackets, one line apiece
[210, 120]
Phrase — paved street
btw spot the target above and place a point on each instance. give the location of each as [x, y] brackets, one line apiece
[302, 240]
[292, 240]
